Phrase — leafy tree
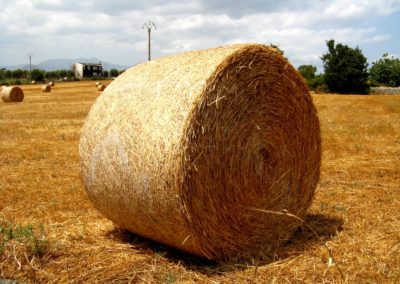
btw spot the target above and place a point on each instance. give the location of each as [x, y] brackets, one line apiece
[70, 74]
[62, 73]
[8, 74]
[307, 71]
[17, 74]
[50, 74]
[386, 71]
[314, 82]
[37, 75]
[105, 73]
[274, 46]
[345, 69]
[114, 73]
[2, 74]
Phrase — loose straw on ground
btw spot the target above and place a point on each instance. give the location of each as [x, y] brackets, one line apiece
[178, 148]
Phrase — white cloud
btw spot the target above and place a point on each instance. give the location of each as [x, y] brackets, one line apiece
[113, 30]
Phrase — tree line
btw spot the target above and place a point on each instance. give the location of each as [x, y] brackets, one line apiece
[19, 76]
[346, 71]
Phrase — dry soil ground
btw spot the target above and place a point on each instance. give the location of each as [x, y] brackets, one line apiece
[49, 231]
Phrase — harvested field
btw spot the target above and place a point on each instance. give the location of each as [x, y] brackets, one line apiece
[50, 232]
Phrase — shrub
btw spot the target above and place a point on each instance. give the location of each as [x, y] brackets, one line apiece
[345, 69]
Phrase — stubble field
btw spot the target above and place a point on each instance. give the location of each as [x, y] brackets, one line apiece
[50, 232]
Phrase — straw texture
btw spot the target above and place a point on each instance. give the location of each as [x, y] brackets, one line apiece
[12, 94]
[182, 149]
[46, 88]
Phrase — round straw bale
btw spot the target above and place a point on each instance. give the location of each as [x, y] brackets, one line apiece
[203, 151]
[98, 83]
[46, 88]
[33, 82]
[12, 94]
[101, 87]
[51, 84]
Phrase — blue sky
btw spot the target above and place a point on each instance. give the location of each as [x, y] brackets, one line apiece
[112, 30]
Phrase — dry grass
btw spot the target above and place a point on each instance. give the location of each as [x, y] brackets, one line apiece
[355, 211]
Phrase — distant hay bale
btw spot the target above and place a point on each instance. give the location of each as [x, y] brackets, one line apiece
[33, 82]
[46, 88]
[98, 83]
[101, 87]
[51, 84]
[12, 94]
[185, 150]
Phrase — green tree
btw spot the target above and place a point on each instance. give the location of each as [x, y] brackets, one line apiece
[307, 71]
[386, 71]
[17, 74]
[345, 69]
[8, 74]
[105, 73]
[70, 74]
[50, 74]
[114, 73]
[2, 73]
[62, 73]
[37, 75]
[274, 46]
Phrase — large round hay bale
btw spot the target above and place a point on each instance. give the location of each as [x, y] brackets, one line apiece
[46, 88]
[185, 150]
[51, 84]
[101, 87]
[98, 83]
[12, 94]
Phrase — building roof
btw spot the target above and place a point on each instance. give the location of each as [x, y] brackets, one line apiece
[89, 64]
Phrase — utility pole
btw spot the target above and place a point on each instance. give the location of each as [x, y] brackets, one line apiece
[30, 65]
[149, 26]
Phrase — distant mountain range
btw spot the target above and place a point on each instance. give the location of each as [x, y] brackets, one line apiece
[65, 64]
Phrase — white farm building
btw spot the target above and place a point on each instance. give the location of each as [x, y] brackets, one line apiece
[87, 70]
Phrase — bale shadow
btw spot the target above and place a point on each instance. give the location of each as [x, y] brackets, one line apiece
[325, 227]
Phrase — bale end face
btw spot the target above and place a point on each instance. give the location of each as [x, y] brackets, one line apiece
[12, 94]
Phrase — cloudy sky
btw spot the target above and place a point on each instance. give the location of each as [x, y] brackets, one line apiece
[113, 30]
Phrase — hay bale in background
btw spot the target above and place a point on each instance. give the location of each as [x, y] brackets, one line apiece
[33, 82]
[182, 149]
[46, 88]
[12, 94]
[101, 87]
[51, 84]
[98, 83]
